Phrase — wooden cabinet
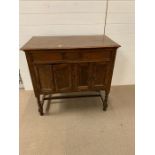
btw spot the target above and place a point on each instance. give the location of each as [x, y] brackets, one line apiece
[70, 64]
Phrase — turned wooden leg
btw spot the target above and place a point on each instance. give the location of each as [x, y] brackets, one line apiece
[40, 106]
[105, 100]
[105, 104]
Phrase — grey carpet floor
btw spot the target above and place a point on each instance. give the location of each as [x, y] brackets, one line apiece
[78, 126]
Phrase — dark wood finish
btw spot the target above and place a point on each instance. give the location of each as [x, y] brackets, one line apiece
[68, 42]
[71, 96]
[70, 64]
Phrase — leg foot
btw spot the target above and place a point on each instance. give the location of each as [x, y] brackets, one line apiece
[41, 112]
[105, 100]
[105, 106]
[40, 107]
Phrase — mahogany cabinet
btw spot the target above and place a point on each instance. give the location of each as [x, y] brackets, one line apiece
[70, 64]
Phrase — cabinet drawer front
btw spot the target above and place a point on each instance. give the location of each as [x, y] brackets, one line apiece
[96, 56]
[55, 56]
[45, 56]
[73, 55]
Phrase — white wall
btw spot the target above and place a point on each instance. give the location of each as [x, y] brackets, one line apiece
[80, 18]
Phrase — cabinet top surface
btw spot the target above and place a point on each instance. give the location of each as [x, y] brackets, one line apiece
[68, 42]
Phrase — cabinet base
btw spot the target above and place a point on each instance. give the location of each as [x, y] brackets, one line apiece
[49, 97]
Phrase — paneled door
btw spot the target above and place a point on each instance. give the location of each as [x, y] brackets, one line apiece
[91, 75]
[62, 77]
[44, 78]
[54, 77]
[100, 73]
[71, 76]
[83, 76]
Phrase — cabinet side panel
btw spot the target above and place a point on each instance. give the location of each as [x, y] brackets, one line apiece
[32, 72]
[110, 70]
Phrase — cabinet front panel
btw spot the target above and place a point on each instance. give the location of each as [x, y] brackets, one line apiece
[62, 77]
[72, 70]
[72, 55]
[46, 56]
[98, 55]
[83, 76]
[44, 78]
[99, 75]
